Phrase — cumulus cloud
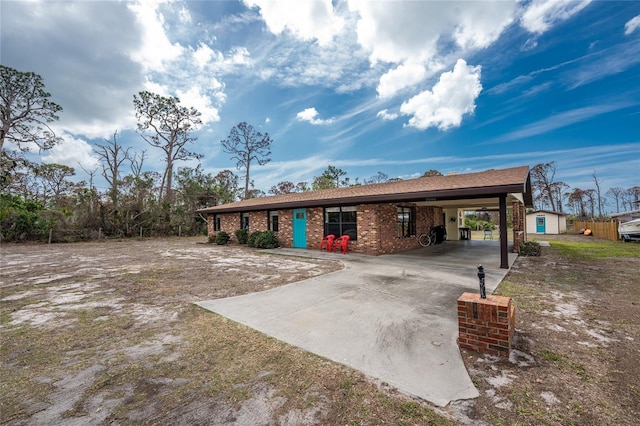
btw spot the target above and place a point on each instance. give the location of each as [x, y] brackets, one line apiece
[72, 152]
[632, 25]
[540, 15]
[306, 20]
[386, 115]
[452, 97]
[193, 98]
[310, 115]
[405, 75]
[419, 31]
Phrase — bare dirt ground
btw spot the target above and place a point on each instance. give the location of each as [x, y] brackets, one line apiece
[576, 359]
[106, 333]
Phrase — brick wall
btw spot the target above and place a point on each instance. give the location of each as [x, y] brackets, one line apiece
[486, 325]
[377, 231]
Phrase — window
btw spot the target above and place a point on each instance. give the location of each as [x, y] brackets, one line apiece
[406, 222]
[273, 220]
[244, 221]
[216, 223]
[341, 221]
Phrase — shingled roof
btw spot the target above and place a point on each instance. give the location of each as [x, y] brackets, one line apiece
[485, 184]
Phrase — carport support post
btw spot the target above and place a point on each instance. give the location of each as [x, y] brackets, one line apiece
[504, 256]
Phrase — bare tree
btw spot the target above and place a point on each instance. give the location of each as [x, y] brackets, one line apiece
[26, 112]
[284, 187]
[112, 155]
[634, 197]
[246, 145]
[54, 178]
[617, 194]
[598, 193]
[169, 126]
[377, 178]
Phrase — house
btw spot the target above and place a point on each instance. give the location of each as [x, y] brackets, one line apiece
[626, 216]
[546, 222]
[382, 218]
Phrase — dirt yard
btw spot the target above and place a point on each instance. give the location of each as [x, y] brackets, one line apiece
[106, 333]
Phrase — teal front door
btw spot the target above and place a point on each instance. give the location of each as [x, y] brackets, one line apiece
[540, 225]
[300, 228]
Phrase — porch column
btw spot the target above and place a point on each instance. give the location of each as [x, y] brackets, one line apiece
[504, 255]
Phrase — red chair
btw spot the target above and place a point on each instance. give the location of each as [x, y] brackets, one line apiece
[327, 242]
[342, 243]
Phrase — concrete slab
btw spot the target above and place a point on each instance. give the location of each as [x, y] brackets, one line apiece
[392, 317]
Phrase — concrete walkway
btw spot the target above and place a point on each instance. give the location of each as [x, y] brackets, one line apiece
[392, 317]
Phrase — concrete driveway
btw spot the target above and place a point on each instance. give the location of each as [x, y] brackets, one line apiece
[392, 317]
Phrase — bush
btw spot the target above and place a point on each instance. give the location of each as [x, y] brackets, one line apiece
[222, 238]
[530, 248]
[251, 240]
[241, 236]
[265, 240]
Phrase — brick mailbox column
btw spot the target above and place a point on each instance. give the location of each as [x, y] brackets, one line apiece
[486, 325]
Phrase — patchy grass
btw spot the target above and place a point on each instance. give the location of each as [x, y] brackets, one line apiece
[109, 334]
[596, 249]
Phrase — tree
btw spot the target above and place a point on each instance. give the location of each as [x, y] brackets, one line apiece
[544, 187]
[26, 112]
[431, 173]
[576, 200]
[284, 187]
[54, 178]
[112, 155]
[633, 195]
[330, 178]
[246, 145]
[617, 194]
[169, 125]
[226, 186]
[598, 193]
[377, 178]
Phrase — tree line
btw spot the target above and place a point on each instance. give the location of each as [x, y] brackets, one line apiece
[40, 201]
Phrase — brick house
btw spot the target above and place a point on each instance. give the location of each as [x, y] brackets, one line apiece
[382, 218]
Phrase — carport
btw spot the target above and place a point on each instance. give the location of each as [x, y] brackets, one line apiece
[392, 317]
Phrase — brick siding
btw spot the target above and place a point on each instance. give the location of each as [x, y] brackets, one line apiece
[486, 325]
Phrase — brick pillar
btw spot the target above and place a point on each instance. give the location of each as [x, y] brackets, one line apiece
[486, 325]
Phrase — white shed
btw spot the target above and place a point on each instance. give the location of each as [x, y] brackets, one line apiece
[546, 222]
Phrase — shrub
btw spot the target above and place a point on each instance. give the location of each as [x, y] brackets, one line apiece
[263, 239]
[530, 248]
[222, 238]
[266, 240]
[251, 240]
[241, 236]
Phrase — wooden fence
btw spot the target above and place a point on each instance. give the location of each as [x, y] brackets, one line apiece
[607, 230]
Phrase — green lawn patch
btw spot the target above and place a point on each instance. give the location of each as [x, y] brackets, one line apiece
[597, 249]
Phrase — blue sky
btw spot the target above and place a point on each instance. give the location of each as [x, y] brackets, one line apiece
[398, 87]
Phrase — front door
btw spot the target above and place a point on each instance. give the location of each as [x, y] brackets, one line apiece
[300, 228]
[540, 225]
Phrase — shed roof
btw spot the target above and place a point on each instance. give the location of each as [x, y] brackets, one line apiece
[548, 211]
[489, 183]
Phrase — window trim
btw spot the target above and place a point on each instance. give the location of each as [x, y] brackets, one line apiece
[410, 225]
[341, 223]
[273, 214]
[242, 221]
[217, 225]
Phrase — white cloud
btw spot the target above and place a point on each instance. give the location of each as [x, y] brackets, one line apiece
[632, 25]
[386, 115]
[540, 15]
[72, 152]
[306, 20]
[419, 31]
[405, 75]
[193, 98]
[156, 48]
[452, 96]
[310, 115]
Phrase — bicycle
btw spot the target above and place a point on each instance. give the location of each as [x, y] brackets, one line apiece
[427, 238]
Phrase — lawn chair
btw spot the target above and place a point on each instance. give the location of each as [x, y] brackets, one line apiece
[327, 242]
[488, 233]
[342, 243]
